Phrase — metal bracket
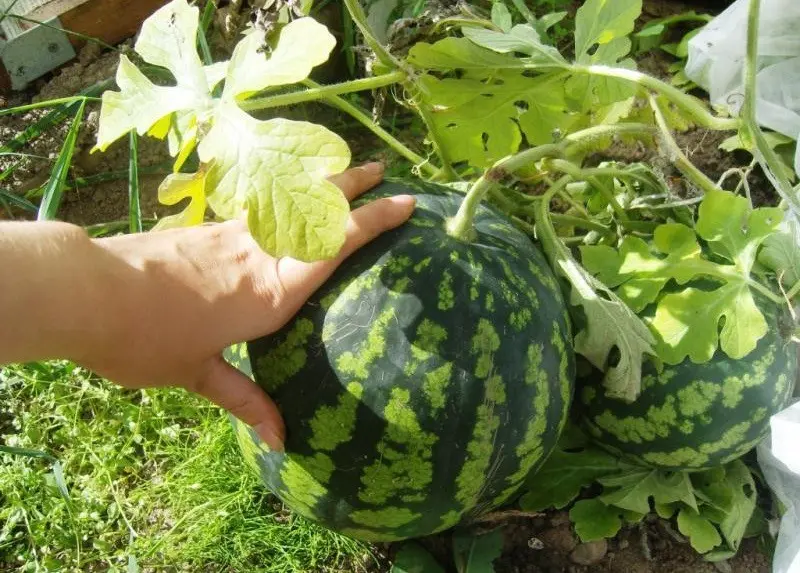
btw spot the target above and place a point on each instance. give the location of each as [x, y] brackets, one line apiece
[35, 52]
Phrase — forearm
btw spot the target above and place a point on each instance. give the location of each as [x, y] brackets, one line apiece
[47, 291]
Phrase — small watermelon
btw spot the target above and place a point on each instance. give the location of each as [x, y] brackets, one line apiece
[423, 383]
[696, 416]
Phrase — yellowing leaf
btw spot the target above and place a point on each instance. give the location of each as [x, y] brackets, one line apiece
[276, 172]
[173, 190]
[140, 104]
[252, 70]
[168, 39]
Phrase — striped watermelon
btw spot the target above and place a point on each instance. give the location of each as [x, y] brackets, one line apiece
[695, 416]
[423, 383]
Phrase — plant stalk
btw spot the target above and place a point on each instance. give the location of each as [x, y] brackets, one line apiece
[360, 19]
[689, 104]
[678, 158]
[792, 292]
[347, 107]
[322, 92]
[766, 156]
[460, 226]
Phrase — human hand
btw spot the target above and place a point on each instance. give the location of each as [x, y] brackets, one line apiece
[175, 299]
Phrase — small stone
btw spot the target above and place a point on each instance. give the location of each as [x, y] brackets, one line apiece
[535, 543]
[589, 553]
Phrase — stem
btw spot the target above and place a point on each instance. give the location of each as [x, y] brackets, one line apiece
[360, 19]
[460, 226]
[322, 92]
[790, 294]
[577, 173]
[766, 156]
[579, 222]
[678, 158]
[48, 103]
[689, 104]
[385, 136]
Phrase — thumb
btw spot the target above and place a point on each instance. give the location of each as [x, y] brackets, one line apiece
[364, 225]
[230, 389]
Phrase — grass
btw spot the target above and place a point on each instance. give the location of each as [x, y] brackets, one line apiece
[152, 480]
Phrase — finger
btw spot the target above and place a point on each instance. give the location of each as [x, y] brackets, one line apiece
[357, 180]
[365, 224]
[230, 389]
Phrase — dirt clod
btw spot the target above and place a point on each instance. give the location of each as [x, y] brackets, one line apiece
[589, 553]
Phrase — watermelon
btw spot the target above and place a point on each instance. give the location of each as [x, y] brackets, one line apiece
[696, 416]
[423, 383]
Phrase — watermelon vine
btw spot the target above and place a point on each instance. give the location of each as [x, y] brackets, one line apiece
[430, 380]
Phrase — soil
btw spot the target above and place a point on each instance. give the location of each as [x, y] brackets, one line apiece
[99, 194]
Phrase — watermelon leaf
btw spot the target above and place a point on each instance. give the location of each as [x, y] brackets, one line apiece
[272, 172]
[476, 553]
[637, 487]
[609, 322]
[743, 490]
[413, 558]
[482, 116]
[602, 28]
[780, 254]
[686, 323]
[701, 532]
[595, 520]
[563, 476]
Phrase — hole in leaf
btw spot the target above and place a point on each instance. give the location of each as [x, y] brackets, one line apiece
[485, 140]
[593, 49]
[614, 356]
[521, 105]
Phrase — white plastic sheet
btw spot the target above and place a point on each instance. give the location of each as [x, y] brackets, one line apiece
[717, 55]
[779, 459]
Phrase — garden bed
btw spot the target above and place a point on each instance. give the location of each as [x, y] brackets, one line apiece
[97, 196]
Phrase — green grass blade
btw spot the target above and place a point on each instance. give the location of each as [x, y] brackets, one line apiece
[54, 190]
[18, 201]
[55, 117]
[348, 40]
[7, 11]
[43, 104]
[65, 31]
[27, 452]
[134, 204]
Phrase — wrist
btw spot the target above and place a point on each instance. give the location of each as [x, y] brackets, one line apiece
[47, 292]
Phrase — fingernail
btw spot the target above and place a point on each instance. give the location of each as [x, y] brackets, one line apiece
[374, 168]
[267, 434]
[407, 201]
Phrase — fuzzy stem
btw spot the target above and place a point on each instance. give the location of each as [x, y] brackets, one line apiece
[344, 105]
[689, 104]
[322, 92]
[765, 154]
[577, 173]
[792, 292]
[680, 160]
[360, 20]
[460, 226]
